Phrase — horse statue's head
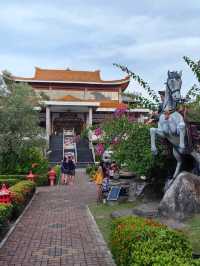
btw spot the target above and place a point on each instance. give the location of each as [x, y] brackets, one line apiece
[174, 83]
[173, 89]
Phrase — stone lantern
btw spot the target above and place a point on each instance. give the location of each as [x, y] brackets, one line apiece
[5, 196]
[52, 176]
[31, 176]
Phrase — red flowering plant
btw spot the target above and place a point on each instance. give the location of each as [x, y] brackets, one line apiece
[100, 149]
[130, 143]
[98, 131]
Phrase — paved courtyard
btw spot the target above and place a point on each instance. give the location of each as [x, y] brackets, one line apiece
[57, 229]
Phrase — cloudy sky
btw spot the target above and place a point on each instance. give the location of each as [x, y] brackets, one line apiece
[149, 36]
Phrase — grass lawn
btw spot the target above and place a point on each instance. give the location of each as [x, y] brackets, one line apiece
[192, 230]
[101, 213]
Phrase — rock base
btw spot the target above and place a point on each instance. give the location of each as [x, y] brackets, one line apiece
[182, 199]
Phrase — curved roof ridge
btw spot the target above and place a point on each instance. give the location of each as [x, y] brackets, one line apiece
[70, 76]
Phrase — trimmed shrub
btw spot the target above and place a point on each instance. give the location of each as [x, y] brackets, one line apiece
[19, 177]
[9, 182]
[42, 180]
[138, 242]
[5, 215]
[20, 194]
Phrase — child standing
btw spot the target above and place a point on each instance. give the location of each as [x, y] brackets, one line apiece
[99, 181]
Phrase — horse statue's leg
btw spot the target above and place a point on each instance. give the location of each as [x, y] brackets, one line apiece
[153, 132]
[178, 158]
[182, 132]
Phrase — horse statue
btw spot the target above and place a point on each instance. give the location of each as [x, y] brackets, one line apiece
[3, 87]
[171, 124]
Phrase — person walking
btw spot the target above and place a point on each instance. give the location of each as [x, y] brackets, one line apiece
[70, 170]
[64, 171]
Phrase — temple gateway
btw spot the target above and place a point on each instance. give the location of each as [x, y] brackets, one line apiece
[76, 99]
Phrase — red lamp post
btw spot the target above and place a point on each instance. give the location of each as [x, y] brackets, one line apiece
[52, 176]
[5, 196]
[31, 176]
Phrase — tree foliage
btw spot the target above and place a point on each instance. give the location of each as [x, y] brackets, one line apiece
[194, 66]
[19, 124]
[140, 101]
[193, 95]
[153, 100]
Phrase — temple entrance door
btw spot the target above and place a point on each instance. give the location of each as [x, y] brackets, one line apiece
[68, 121]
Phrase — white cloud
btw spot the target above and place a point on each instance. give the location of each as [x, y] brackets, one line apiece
[148, 36]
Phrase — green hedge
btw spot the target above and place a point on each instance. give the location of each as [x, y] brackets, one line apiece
[5, 215]
[42, 180]
[20, 194]
[143, 242]
[9, 182]
[19, 177]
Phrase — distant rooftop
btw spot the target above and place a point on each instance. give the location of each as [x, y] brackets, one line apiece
[67, 76]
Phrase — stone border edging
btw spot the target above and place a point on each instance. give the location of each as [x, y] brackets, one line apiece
[109, 259]
[17, 221]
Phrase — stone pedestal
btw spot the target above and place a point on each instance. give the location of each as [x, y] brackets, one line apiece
[182, 199]
[136, 190]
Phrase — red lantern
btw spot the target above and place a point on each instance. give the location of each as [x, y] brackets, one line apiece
[5, 195]
[52, 176]
[31, 176]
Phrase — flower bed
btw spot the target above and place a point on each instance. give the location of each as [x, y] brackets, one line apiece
[136, 241]
[20, 195]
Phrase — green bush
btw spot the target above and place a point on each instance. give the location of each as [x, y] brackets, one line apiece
[131, 146]
[32, 158]
[143, 242]
[42, 180]
[19, 177]
[20, 194]
[27, 159]
[91, 169]
[9, 182]
[5, 215]
[57, 169]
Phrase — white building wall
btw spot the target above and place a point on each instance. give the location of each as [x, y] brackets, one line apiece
[90, 95]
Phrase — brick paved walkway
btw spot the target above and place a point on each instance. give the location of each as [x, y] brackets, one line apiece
[57, 230]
